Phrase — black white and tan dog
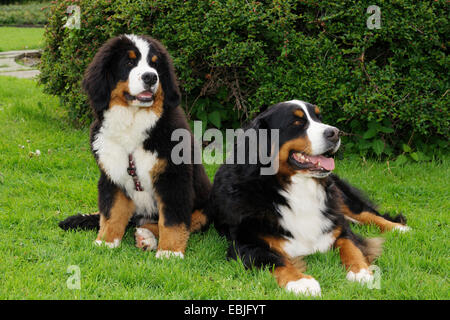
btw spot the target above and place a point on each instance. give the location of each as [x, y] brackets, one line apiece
[135, 98]
[271, 220]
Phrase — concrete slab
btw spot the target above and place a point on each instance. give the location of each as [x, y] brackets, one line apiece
[26, 74]
[9, 67]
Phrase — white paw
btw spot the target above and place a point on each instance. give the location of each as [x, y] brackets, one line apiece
[309, 287]
[160, 254]
[111, 245]
[362, 276]
[401, 228]
[145, 239]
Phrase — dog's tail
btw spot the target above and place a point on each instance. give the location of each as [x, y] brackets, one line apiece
[372, 248]
[81, 221]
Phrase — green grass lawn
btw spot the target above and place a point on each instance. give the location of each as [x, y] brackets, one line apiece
[12, 38]
[38, 191]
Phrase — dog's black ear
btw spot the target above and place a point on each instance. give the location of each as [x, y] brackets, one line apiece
[169, 83]
[98, 77]
[260, 122]
[167, 77]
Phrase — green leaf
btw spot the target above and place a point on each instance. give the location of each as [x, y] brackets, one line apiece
[422, 156]
[201, 115]
[401, 160]
[214, 118]
[374, 125]
[406, 148]
[378, 146]
[386, 129]
[414, 156]
[354, 124]
[372, 132]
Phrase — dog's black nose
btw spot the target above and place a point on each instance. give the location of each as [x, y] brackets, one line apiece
[149, 78]
[332, 134]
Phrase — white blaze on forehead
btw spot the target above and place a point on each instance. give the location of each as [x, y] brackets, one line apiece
[135, 83]
[315, 131]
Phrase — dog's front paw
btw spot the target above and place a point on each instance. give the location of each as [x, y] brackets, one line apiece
[145, 239]
[362, 276]
[161, 254]
[305, 286]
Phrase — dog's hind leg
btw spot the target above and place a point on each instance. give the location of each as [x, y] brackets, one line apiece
[357, 208]
[198, 221]
[146, 235]
[384, 222]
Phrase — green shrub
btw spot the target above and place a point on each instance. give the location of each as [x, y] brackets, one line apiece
[24, 13]
[387, 87]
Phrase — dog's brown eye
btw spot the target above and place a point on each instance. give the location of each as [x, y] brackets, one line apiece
[299, 122]
[130, 64]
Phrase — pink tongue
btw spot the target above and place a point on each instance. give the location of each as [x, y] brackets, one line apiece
[326, 163]
[145, 94]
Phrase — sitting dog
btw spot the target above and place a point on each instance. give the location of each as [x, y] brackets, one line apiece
[135, 98]
[271, 220]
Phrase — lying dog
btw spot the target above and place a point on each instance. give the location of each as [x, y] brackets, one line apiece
[135, 99]
[303, 208]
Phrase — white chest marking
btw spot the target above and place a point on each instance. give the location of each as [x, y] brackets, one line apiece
[304, 218]
[123, 132]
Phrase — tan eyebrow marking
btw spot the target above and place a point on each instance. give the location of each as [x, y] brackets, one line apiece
[316, 109]
[132, 54]
[154, 58]
[299, 113]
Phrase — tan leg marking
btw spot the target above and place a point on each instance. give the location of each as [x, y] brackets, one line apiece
[351, 256]
[366, 217]
[198, 220]
[290, 278]
[288, 273]
[157, 170]
[293, 268]
[172, 239]
[112, 229]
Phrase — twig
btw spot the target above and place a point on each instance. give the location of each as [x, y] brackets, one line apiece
[406, 96]
[388, 167]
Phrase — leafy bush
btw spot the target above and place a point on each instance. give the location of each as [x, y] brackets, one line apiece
[387, 87]
[26, 13]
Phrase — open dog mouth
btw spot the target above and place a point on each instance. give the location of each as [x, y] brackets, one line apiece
[321, 163]
[144, 96]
